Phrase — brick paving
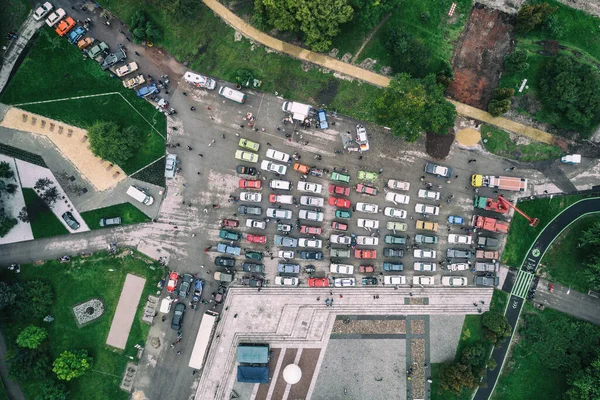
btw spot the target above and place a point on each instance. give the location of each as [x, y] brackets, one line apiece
[308, 362]
[263, 388]
[280, 384]
[365, 327]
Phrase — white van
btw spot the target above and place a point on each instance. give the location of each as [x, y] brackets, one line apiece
[281, 185]
[140, 196]
[232, 94]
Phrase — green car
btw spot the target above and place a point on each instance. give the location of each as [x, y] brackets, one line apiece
[391, 239]
[246, 156]
[254, 255]
[367, 176]
[229, 235]
[343, 214]
[337, 177]
[249, 144]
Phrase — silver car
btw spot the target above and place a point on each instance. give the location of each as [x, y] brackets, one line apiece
[311, 215]
[279, 213]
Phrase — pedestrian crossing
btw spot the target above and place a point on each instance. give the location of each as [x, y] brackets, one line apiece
[522, 284]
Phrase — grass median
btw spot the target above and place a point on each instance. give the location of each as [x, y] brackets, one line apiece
[128, 212]
[44, 223]
[499, 142]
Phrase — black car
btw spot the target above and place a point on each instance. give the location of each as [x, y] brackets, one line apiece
[487, 280]
[244, 169]
[459, 253]
[252, 267]
[220, 295]
[177, 320]
[225, 262]
[70, 220]
[389, 252]
[311, 255]
[185, 285]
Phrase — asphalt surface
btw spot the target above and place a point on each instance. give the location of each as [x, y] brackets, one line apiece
[531, 262]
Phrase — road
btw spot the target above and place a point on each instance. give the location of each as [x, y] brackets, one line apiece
[519, 291]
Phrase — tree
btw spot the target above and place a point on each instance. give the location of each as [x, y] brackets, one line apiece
[531, 16]
[7, 295]
[5, 170]
[445, 75]
[112, 143]
[409, 55]
[53, 391]
[23, 216]
[571, 89]
[585, 384]
[455, 377]
[500, 102]
[368, 13]
[50, 196]
[475, 356]
[496, 326]
[590, 238]
[144, 29]
[7, 222]
[153, 31]
[25, 364]
[42, 184]
[182, 8]
[71, 364]
[31, 337]
[411, 106]
[317, 20]
[33, 299]
[516, 61]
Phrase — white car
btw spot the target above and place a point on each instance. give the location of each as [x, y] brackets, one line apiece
[56, 16]
[286, 281]
[454, 281]
[367, 208]
[310, 187]
[425, 266]
[400, 185]
[126, 69]
[424, 253]
[286, 254]
[394, 212]
[344, 282]
[170, 165]
[459, 267]
[312, 243]
[251, 196]
[367, 240]
[341, 269]
[340, 239]
[256, 223]
[428, 194]
[397, 198]
[312, 201]
[459, 239]
[394, 280]
[311, 215]
[42, 11]
[423, 280]
[279, 213]
[368, 224]
[270, 166]
[427, 209]
[278, 155]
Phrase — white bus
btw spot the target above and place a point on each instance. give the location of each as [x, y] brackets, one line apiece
[207, 325]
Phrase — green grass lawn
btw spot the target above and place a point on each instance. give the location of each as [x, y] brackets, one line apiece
[55, 69]
[12, 14]
[45, 223]
[99, 276]
[563, 261]
[521, 235]
[128, 212]
[499, 143]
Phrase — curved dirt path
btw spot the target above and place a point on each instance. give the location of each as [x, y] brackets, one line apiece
[368, 39]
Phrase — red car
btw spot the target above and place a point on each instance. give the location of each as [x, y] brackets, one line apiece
[172, 284]
[311, 230]
[365, 253]
[370, 190]
[318, 282]
[366, 268]
[230, 223]
[256, 238]
[335, 189]
[339, 226]
[250, 184]
[339, 202]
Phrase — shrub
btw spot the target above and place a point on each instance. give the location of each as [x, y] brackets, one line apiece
[71, 364]
[516, 61]
[31, 337]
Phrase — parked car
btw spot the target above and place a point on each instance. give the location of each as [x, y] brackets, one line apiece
[285, 241]
[251, 238]
[126, 69]
[486, 280]
[250, 184]
[459, 253]
[341, 282]
[392, 266]
[393, 252]
[110, 221]
[270, 166]
[339, 190]
[367, 240]
[453, 238]
[172, 282]
[340, 239]
[70, 220]
[391, 239]
[396, 226]
[286, 268]
[96, 51]
[397, 198]
[426, 239]
[310, 187]
[484, 241]
[322, 118]
[311, 215]
[225, 262]
[245, 170]
[54, 17]
[458, 267]
[345, 214]
[438, 170]
[366, 269]
[318, 282]
[367, 224]
[341, 269]
[281, 198]
[278, 155]
[229, 235]
[248, 144]
[428, 194]
[250, 210]
[311, 255]
[177, 321]
[311, 230]
[228, 249]
[365, 254]
[365, 189]
[367, 208]
[339, 226]
[146, 91]
[394, 212]
[307, 242]
[76, 34]
[339, 177]
[303, 169]
[427, 225]
[456, 220]
[427, 209]
[424, 253]
[424, 266]
[339, 253]
[246, 156]
[286, 254]
[423, 280]
[65, 26]
[399, 185]
[185, 285]
[254, 255]
[286, 281]
[394, 280]
[454, 281]
[339, 202]
[230, 223]
[311, 201]
[113, 59]
[367, 176]
[252, 197]
[170, 165]
[369, 281]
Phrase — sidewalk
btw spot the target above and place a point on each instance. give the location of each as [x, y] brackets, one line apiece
[371, 77]
[29, 27]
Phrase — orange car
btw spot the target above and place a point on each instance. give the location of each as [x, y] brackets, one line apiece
[365, 253]
[318, 282]
[65, 26]
[303, 169]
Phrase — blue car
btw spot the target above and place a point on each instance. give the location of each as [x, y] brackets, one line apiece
[456, 220]
[322, 119]
[76, 34]
[147, 90]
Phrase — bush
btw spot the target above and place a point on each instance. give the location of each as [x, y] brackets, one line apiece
[496, 326]
[500, 102]
[25, 364]
[516, 61]
[410, 55]
[7, 295]
[53, 391]
[71, 364]
[143, 29]
[531, 16]
[31, 337]
[455, 377]
[33, 299]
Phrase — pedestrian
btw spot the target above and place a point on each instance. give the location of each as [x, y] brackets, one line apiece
[189, 147]
[242, 126]
[223, 136]
[278, 128]
[172, 345]
[200, 155]
[341, 296]
[208, 108]
[319, 298]
[212, 118]
[269, 144]
[126, 38]
[193, 234]
[360, 157]
[198, 172]
[512, 168]
[205, 211]
[455, 176]
[495, 191]
[179, 353]
[136, 53]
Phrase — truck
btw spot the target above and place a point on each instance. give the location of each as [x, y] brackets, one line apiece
[484, 241]
[223, 276]
[489, 204]
[140, 195]
[485, 267]
[499, 182]
[299, 111]
[490, 224]
[200, 81]
[133, 82]
[487, 254]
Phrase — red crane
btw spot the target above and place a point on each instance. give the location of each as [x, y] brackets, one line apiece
[506, 203]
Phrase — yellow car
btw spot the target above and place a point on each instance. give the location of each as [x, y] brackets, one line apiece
[248, 144]
[246, 156]
[427, 225]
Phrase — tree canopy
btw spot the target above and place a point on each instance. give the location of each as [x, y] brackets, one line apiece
[409, 54]
[410, 106]
[144, 29]
[317, 20]
[572, 89]
[496, 326]
[589, 242]
[585, 384]
[531, 16]
[112, 143]
[71, 364]
[31, 337]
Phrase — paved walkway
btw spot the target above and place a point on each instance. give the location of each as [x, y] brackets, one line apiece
[27, 30]
[351, 70]
[125, 313]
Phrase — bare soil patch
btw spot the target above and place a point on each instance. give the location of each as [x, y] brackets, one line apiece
[479, 56]
[438, 146]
